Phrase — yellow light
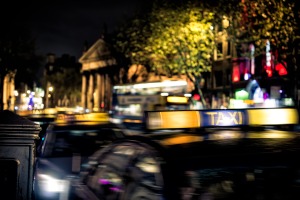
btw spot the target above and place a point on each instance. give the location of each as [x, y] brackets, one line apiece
[173, 119]
[271, 134]
[249, 102]
[89, 118]
[16, 93]
[172, 99]
[273, 116]
[182, 139]
[132, 120]
[223, 135]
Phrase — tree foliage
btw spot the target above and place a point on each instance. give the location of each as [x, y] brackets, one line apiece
[182, 40]
[171, 40]
[65, 79]
[17, 54]
[129, 44]
[255, 21]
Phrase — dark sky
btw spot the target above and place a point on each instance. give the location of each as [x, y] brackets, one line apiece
[63, 26]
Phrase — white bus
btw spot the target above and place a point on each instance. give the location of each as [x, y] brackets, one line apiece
[129, 101]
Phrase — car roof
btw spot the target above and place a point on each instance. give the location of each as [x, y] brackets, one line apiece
[82, 125]
[192, 133]
[185, 150]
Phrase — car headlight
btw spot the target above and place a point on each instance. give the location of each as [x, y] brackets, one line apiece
[50, 184]
[115, 120]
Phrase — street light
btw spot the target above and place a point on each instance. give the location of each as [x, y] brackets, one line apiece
[48, 95]
[50, 91]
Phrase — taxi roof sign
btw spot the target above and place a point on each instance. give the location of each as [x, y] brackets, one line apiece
[86, 118]
[170, 119]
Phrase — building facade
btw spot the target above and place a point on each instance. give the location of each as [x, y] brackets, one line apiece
[8, 91]
[97, 63]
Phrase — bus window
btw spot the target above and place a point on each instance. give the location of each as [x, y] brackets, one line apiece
[131, 100]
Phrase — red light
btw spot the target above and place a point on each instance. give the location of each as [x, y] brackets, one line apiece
[236, 74]
[196, 97]
[280, 68]
[269, 71]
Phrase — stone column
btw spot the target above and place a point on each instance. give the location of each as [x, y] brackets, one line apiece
[83, 92]
[107, 93]
[98, 89]
[102, 96]
[90, 95]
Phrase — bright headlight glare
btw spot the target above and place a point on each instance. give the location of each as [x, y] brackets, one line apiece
[50, 184]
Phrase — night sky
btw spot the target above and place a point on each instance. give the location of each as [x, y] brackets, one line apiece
[62, 27]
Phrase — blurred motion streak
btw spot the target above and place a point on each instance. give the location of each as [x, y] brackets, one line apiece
[174, 119]
[182, 140]
[273, 116]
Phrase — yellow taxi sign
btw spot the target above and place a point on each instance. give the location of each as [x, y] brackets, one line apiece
[86, 117]
[168, 119]
[173, 119]
[273, 116]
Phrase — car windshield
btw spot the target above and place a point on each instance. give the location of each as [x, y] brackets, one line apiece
[63, 143]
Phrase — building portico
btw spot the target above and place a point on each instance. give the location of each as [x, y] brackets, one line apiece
[96, 84]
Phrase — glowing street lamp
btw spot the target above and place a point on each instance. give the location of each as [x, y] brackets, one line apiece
[50, 89]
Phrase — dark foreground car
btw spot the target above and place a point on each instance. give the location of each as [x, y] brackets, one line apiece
[208, 163]
[64, 148]
[43, 120]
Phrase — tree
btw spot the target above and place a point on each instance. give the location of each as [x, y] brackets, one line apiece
[259, 21]
[65, 79]
[17, 54]
[181, 41]
[129, 44]
[171, 39]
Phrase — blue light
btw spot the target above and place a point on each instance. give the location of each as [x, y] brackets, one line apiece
[247, 76]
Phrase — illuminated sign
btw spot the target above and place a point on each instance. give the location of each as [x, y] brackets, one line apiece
[173, 99]
[223, 118]
[173, 119]
[273, 116]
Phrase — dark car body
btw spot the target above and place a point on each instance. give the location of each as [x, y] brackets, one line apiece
[195, 163]
[64, 148]
[43, 120]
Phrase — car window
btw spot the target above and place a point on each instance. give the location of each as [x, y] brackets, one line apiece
[63, 143]
[128, 171]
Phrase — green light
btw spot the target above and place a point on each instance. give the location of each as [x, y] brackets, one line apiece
[241, 95]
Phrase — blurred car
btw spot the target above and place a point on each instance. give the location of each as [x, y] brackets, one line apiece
[43, 120]
[203, 155]
[66, 145]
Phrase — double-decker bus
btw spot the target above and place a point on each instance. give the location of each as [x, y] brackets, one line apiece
[129, 101]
